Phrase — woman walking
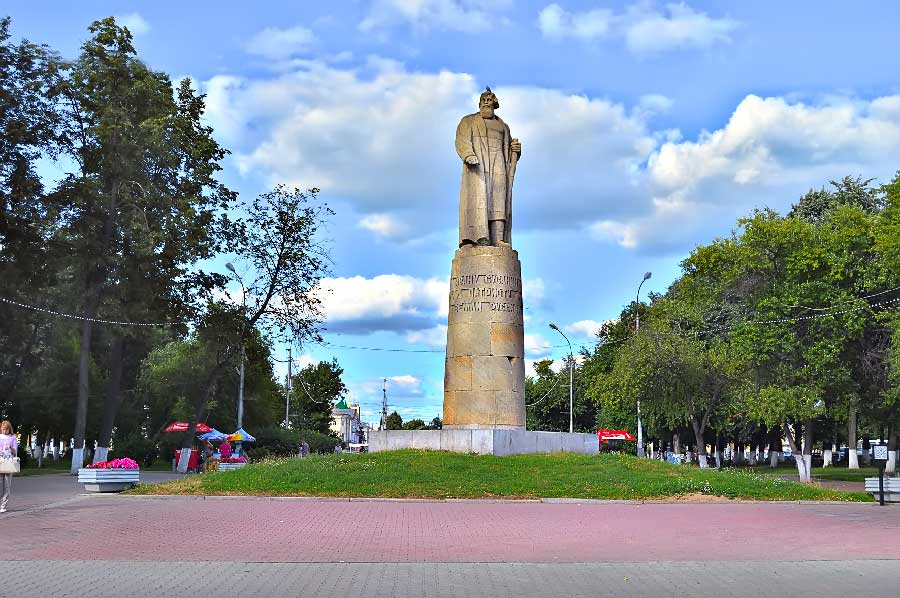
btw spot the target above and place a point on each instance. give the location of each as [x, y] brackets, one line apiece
[9, 447]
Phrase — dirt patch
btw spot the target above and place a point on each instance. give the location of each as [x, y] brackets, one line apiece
[698, 497]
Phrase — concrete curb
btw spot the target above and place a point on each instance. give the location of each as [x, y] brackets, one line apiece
[548, 500]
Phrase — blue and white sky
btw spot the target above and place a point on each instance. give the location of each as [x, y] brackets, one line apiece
[647, 128]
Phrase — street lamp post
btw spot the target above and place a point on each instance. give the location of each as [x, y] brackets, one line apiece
[240, 409]
[637, 328]
[571, 361]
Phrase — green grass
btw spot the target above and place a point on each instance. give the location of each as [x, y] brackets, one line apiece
[844, 474]
[430, 474]
[818, 473]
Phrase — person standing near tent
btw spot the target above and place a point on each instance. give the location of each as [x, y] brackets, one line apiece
[225, 449]
[9, 447]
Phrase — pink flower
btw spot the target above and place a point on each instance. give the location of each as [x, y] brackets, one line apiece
[123, 463]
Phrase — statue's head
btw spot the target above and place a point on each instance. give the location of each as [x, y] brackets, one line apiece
[487, 103]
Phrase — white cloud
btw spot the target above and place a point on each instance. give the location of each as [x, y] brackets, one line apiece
[384, 225]
[279, 44]
[557, 24]
[433, 337]
[644, 29]
[768, 154]
[136, 24]
[585, 328]
[386, 149]
[385, 302]
[536, 345]
[468, 16]
[533, 291]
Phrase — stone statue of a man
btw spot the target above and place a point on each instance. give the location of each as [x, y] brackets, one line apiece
[489, 156]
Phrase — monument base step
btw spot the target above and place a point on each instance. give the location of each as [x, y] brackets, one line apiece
[483, 442]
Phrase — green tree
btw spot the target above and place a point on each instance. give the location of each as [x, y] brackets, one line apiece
[29, 129]
[314, 392]
[394, 421]
[143, 205]
[414, 424]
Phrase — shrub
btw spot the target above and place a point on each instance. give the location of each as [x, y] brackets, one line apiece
[134, 445]
[319, 443]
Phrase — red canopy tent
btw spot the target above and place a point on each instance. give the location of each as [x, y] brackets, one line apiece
[183, 427]
[607, 435]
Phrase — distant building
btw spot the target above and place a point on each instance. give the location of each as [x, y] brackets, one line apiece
[345, 421]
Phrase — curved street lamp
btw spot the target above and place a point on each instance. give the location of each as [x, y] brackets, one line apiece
[637, 328]
[571, 361]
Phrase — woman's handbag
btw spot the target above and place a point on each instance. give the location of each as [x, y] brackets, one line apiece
[9, 465]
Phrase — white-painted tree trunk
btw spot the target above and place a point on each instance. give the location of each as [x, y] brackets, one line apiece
[803, 466]
[891, 465]
[852, 459]
[184, 458]
[703, 463]
[100, 454]
[56, 450]
[77, 460]
[773, 459]
[826, 458]
[718, 459]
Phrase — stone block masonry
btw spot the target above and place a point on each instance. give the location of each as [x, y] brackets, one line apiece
[484, 375]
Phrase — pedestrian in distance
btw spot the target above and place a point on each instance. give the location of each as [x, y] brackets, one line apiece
[9, 447]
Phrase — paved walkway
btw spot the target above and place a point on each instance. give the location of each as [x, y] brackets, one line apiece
[29, 492]
[178, 529]
[740, 579]
[68, 545]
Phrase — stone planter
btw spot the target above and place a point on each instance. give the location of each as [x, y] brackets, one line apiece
[891, 488]
[108, 480]
[229, 466]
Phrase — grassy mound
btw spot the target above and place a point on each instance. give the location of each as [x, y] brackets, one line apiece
[430, 474]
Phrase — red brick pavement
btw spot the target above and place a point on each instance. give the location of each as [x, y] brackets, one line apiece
[146, 529]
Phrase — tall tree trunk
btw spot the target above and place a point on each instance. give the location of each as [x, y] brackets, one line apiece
[852, 459]
[113, 399]
[701, 445]
[809, 427]
[891, 466]
[94, 282]
[774, 447]
[802, 470]
[84, 363]
[676, 444]
[209, 390]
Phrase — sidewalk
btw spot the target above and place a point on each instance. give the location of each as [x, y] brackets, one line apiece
[740, 579]
[157, 529]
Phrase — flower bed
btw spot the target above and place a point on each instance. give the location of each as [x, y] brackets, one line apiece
[233, 460]
[110, 476]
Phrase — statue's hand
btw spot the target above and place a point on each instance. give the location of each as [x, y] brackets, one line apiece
[516, 146]
[472, 161]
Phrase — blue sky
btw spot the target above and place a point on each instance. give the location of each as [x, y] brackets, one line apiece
[647, 128]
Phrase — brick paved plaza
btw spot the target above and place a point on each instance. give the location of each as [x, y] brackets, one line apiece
[118, 545]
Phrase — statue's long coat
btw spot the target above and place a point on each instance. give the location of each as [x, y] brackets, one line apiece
[483, 195]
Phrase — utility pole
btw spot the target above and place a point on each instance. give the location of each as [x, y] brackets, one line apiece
[287, 398]
[383, 424]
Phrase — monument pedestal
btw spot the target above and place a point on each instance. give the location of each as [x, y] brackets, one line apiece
[483, 441]
[484, 373]
[484, 376]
